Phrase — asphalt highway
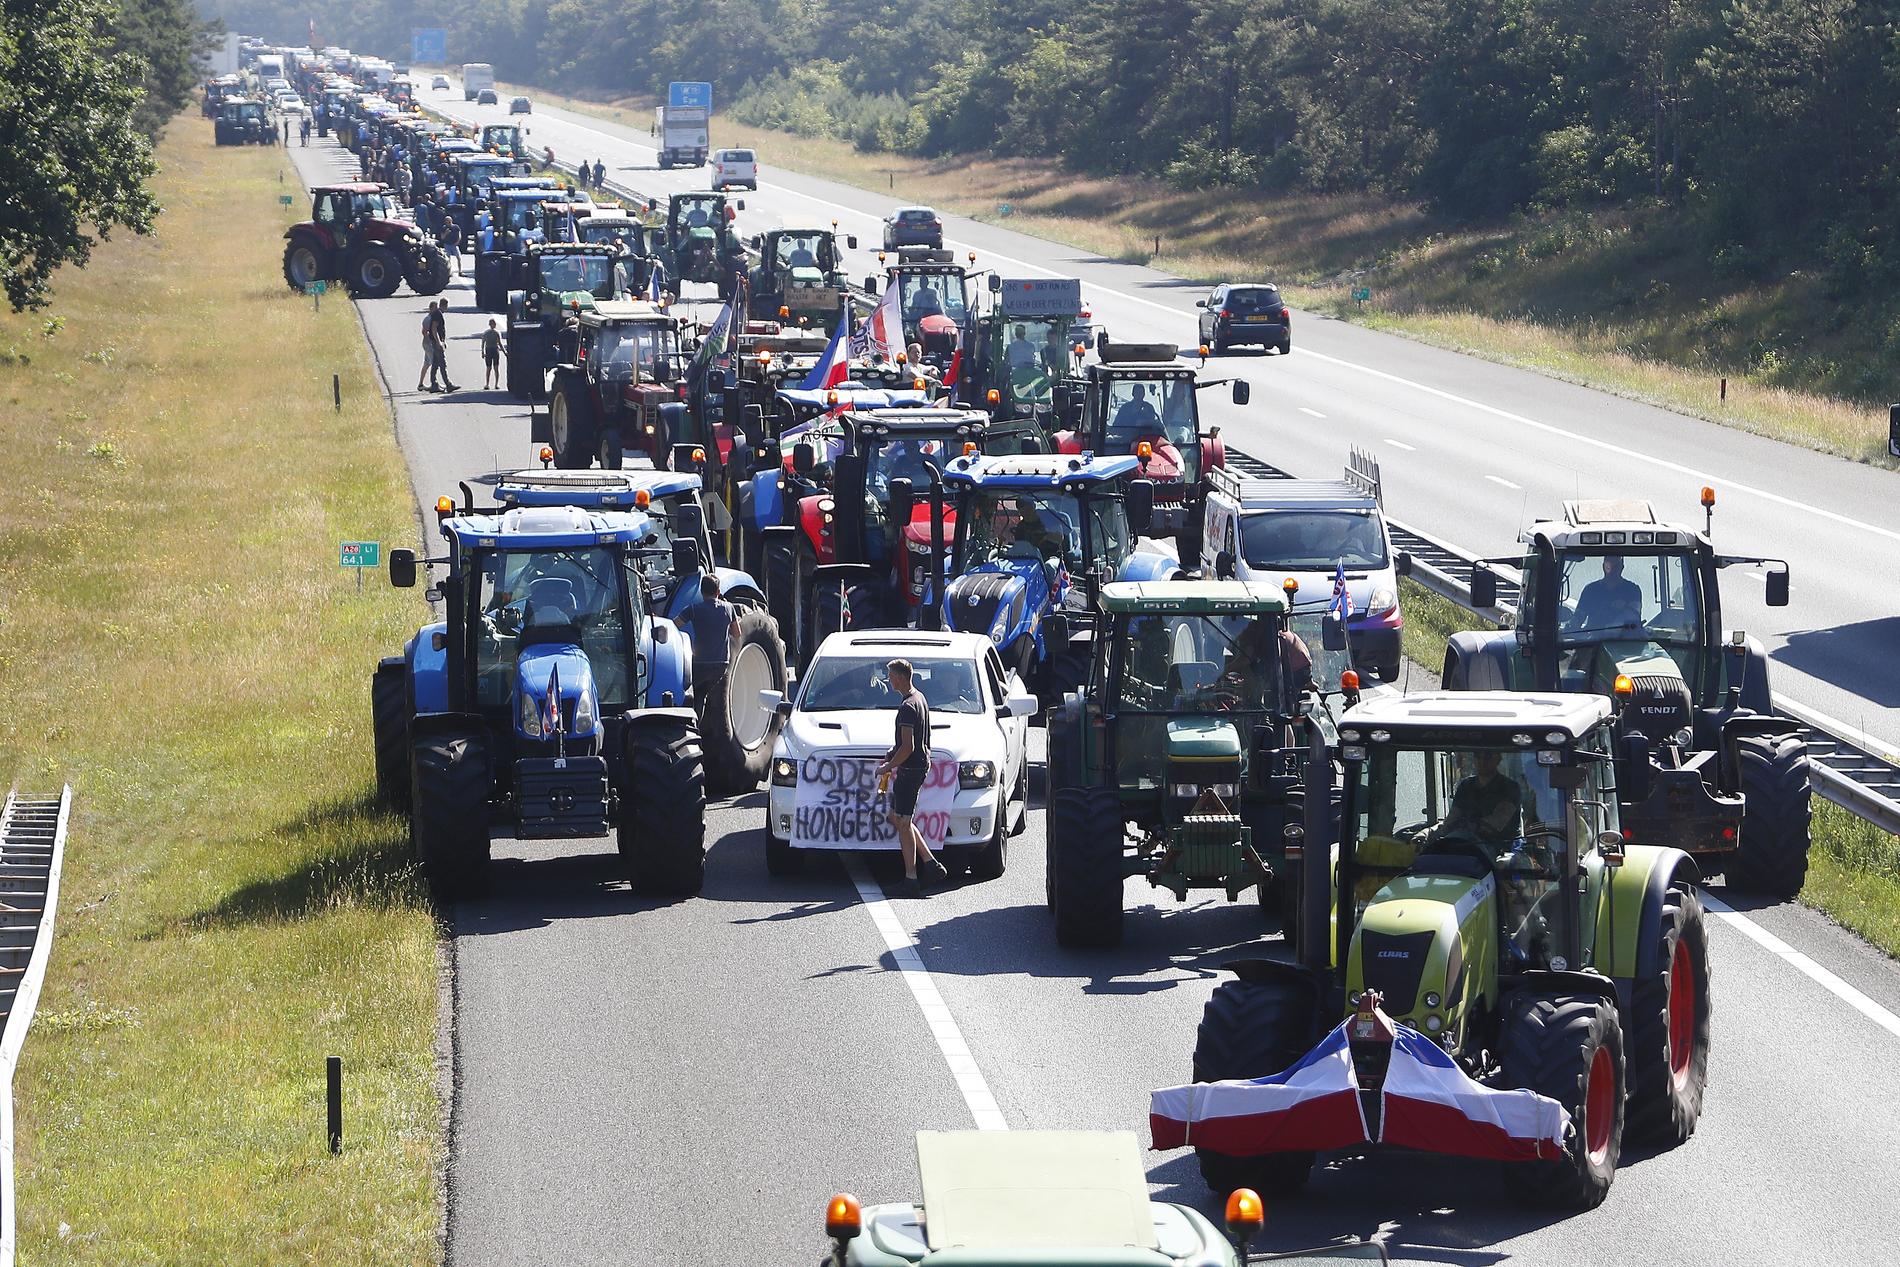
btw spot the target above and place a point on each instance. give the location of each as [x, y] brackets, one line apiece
[639, 1082]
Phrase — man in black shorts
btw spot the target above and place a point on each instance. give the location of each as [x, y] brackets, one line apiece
[909, 760]
[491, 355]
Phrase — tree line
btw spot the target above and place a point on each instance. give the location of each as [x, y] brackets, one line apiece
[1770, 124]
[85, 88]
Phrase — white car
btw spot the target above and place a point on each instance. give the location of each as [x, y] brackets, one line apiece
[979, 725]
[735, 167]
[440, 83]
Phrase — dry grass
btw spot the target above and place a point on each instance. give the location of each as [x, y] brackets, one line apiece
[1616, 301]
[177, 640]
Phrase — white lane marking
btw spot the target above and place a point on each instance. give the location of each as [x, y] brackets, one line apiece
[1400, 444]
[1499, 479]
[1311, 413]
[1706, 477]
[943, 1028]
[1803, 964]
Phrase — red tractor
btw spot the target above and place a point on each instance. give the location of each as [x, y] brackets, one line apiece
[353, 236]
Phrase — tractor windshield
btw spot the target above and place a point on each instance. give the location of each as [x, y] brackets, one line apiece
[1142, 409]
[370, 206]
[646, 350]
[804, 250]
[1036, 353]
[695, 213]
[250, 112]
[905, 457]
[1638, 597]
[526, 597]
[628, 237]
[1312, 540]
[848, 683]
[932, 295]
[567, 274]
[1195, 682]
[1041, 524]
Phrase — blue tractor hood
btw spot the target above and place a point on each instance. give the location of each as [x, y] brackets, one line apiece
[1004, 598]
[546, 662]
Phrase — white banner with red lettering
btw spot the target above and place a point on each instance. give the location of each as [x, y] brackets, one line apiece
[839, 805]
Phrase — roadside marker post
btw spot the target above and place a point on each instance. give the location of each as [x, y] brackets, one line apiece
[359, 557]
[333, 1089]
[1893, 431]
[1361, 295]
[336, 390]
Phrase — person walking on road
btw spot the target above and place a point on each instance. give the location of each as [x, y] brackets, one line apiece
[909, 762]
[303, 130]
[600, 174]
[491, 355]
[440, 307]
[714, 627]
[429, 379]
[286, 131]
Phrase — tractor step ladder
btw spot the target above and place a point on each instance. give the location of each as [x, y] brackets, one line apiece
[32, 846]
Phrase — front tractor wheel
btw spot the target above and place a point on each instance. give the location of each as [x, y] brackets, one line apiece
[428, 272]
[1250, 1029]
[1568, 1047]
[662, 830]
[1085, 866]
[303, 266]
[571, 425]
[1669, 1025]
[1776, 817]
[389, 717]
[738, 731]
[449, 786]
[375, 273]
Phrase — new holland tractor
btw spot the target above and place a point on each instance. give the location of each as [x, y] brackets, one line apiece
[550, 698]
[551, 281]
[1141, 399]
[1484, 922]
[1174, 762]
[353, 236]
[736, 732]
[701, 244]
[1037, 535]
[799, 278]
[1618, 602]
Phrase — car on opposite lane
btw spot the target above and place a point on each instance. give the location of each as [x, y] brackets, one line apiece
[913, 226]
[1245, 313]
[520, 105]
[440, 83]
[979, 723]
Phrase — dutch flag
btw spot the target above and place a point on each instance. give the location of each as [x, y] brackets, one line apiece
[832, 366]
[1314, 1105]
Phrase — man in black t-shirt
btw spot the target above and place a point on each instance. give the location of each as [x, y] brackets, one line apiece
[1486, 806]
[909, 761]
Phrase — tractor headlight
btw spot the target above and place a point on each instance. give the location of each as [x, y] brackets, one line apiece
[975, 774]
[1192, 791]
[784, 772]
[586, 714]
[530, 717]
[1434, 1023]
[1431, 998]
[1381, 601]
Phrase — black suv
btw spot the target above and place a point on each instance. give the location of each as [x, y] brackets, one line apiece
[1239, 313]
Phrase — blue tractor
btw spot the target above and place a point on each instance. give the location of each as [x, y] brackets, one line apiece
[736, 731]
[1037, 536]
[551, 698]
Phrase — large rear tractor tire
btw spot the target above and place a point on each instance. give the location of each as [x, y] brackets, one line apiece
[389, 714]
[1568, 1047]
[571, 423]
[375, 273]
[303, 265]
[1777, 819]
[1085, 866]
[662, 831]
[429, 271]
[449, 782]
[1250, 1029]
[1669, 1026]
[738, 732]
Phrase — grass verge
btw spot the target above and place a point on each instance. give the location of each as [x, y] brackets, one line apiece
[1854, 876]
[177, 640]
[1430, 621]
[1615, 300]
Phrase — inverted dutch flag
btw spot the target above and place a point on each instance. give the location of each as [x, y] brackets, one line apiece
[1342, 597]
[1314, 1105]
[1430, 1104]
[832, 366]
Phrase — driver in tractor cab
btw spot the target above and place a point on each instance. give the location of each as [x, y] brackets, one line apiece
[926, 303]
[801, 256]
[1136, 416]
[1609, 602]
[1487, 806]
[696, 216]
[1022, 353]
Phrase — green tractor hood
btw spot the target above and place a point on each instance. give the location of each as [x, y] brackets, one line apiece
[1192, 739]
[1426, 937]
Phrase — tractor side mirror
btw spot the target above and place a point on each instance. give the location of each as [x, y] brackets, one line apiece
[1332, 632]
[996, 284]
[870, 283]
[1243, 391]
[903, 498]
[685, 556]
[1101, 343]
[689, 521]
[1778, 588]
[1139, 503]
[1224, 569]
[803, 458]
[740, 204]
[402, 569]
[1403, 564]
[1484, 586]
[851, 242]
[1637, 775]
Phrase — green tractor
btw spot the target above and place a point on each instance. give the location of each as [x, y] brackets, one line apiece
[1617, 602]
[1484, 931]
[701, 244]
[1176, 762]
[799, 278]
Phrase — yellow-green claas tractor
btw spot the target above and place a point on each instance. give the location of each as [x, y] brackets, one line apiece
[1484, 904]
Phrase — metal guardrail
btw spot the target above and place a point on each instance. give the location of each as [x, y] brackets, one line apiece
[32, 847]
[1850, 768]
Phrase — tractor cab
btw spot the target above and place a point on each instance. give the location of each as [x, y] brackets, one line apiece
[475, 175]
[1024, 348]
[554, 277]
[243, 121]
[933, 298]
[1141, 399]
[615, 228]
[618, 389]
[1618, 602]
[800, 276]
[503, 139]
[700, 243]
